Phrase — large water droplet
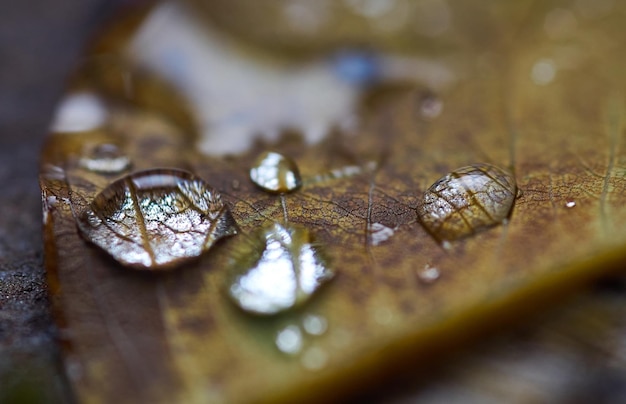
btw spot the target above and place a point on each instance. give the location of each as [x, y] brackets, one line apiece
[156, 219]
[280, 269]
[466, 201]
[275, 173]
[105, 158]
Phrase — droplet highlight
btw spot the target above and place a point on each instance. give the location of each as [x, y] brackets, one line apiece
[275, 173]
[428, 275]
[379, 233]
[314, 325]
[289, 340]
[281, 268]
[570, 204]
[466, 201]
[156, 219]
[105, 158]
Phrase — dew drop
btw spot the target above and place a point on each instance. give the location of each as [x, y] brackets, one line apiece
[105, 158]
[379, 233]
[274, 172]
[429, 274]
[281, 269]
[430, 106]
[570, 204]
[467, 201]
[289, 340]
[314, 325]
[156, 219]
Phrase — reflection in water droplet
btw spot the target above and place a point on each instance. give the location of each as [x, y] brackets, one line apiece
[379, 233]
[429, 274]
[466, 201]
[79, 112]
[315, 325]
[282, 270]
[314, 358]
[275, 173]
[570, 204]
[289, 340]
[156, 219]
[105, 159]
[543, 72]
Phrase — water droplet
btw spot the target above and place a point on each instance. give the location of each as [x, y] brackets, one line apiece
[315, 325]
[570, 204]
[379, 233]
[289, 340]
[275, 173]
[105, 158]
[156, 219]
[430, 106]
[429, 274]
[282, 268]
[466, 201]
[543, 72]
[314, 358]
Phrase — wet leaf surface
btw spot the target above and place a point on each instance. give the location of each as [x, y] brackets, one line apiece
[519, 99]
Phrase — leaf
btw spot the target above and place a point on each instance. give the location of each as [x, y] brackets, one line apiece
[547, 106]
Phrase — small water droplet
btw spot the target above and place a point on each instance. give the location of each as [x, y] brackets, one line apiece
[314, 325]
[429, 274]
[543, 72]
[466, 201]
[274, 172]
[280, 269]
[314, 358]
[155, 219]
[379, 233]
[430, 106]
[570, 204]
[289, 340]
[105, 158]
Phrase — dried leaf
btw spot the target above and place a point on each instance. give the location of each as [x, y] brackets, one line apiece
[547, 105]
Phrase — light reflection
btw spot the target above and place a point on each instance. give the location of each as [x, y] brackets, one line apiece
[79, 112]
[287, 272]
[543, 72]
[289, 340]
[275, 173]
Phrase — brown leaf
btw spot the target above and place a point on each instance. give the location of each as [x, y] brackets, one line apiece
[545, 103]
